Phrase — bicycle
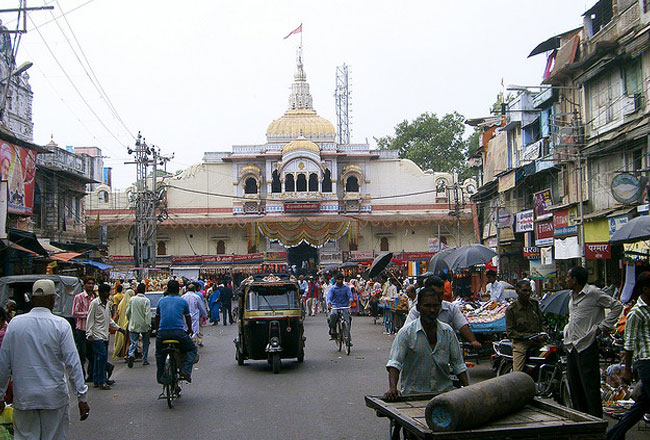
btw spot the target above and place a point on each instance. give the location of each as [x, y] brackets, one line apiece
[173, 358]
[342, 331]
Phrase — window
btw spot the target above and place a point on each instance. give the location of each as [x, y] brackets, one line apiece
[646, 6]
[352, 184]
[327, 181]
[103, 197]
[162, 248]
[276, 185]
[353, 245]
[632, 78]
[313, 182]
[250, 187]
[221, 247]
[383, 244]
[289, 184]
[301, 183]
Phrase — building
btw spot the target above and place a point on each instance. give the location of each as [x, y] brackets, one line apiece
[299, 198]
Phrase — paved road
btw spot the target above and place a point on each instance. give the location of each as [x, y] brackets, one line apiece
[321, 398]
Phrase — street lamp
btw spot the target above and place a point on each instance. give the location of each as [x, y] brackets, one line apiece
[20, 69]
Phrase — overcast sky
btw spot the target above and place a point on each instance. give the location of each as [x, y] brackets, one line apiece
[198, 76]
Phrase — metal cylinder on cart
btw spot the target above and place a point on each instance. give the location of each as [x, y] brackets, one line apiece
[480, 403]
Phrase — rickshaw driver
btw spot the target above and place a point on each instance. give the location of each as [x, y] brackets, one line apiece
[171, 312]
[338, 297]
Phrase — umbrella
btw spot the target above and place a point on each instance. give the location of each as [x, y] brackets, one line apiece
[438, 263]
[426, 274]
[348, 265]
[469, 255]
[557, 303]
[635, 230]
[329, 268]
[378, 265]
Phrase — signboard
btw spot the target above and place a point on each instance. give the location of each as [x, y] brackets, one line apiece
[531, 151]
[567, 248]
[563, 223]
[123, 259]
[531, 253]
[4, 196]
[507, 181]
[505, 218]
[187, 259]
[616, 222]
[18, 167]
[275, 256]
[544, 233]
[598, 251]
[525, 221]
[597, 231]
[433, 243]
[506, 234]
[626, 188]
[361, 255]
[546, 255]
[542, 200]
[302, 207]
[418, 256]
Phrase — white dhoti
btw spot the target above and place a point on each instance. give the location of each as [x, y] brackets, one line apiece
[42, 424]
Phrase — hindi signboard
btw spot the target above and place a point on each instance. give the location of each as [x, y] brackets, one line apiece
[525, 221]
[542, 200]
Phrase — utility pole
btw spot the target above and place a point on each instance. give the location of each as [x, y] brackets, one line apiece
[148, 203]
[459, 204]
[342, 99]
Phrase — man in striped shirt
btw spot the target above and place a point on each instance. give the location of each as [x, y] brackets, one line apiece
[80, 306]
[637, 347]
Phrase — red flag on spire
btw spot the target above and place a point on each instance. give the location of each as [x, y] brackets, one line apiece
[297, 30]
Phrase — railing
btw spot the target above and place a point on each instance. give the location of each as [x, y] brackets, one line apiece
[65, 161]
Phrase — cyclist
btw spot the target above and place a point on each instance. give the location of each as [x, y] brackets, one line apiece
[172, 312]
[338, 301]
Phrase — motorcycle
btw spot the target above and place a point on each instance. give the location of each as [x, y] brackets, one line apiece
[545, 363]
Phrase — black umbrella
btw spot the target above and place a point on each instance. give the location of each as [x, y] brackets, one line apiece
[329, 268]
[557, 303]
[469, 255]
[378, 265]
[636, 229]
[438, 263]
[348, 265]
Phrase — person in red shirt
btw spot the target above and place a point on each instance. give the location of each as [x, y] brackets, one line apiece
[447, 290]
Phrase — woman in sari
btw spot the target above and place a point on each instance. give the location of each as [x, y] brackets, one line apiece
[121, 347]
[214, 306]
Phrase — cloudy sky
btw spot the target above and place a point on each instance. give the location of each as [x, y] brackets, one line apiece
[196, 76]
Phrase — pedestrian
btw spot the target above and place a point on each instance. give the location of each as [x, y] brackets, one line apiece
[495, 288]
[37, 351]
[121, 342]
[637, 348]
[225, 298]
[138, 314]
[214, 305]
[99, 321]
[312, 297]
[80, 306]
[524, 323]
[587, 320]
[197, 310]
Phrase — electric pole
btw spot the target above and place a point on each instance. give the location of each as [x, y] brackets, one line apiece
[148, 201]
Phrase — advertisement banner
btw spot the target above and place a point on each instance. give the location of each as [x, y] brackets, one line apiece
[123, 259]
[418, 256]
[567, 248]
[539, 271]
[4, 196]
[546, 255]
[525, 221]
[302, 207]
[598, 251]
[616, 222]
[563, 224]
[542, 200]
[18, 167]
[532, 253]
[506, 219]
[275, 256]
[361, 255]
[544, 233]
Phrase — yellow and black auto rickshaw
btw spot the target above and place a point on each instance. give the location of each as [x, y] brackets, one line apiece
[271, 322]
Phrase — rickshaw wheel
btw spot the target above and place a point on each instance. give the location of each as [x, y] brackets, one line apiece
[275, 361]
[238, 357]
[301, 357]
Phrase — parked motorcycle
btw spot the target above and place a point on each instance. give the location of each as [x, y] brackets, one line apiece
[545, 363]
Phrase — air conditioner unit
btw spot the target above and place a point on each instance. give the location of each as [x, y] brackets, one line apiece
[632, 103]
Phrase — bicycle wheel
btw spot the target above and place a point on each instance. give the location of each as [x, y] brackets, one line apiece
[170, 371]
[346, 336]
[339, 334]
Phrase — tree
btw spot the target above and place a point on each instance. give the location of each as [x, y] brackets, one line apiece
[432, 142]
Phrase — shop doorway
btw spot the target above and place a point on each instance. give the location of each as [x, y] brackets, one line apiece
[304, 258]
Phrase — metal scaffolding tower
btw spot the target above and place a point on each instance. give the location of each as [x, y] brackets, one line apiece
[342, 99]
[149, 203]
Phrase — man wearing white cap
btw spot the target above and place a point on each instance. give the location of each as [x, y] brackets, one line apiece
[36, 351]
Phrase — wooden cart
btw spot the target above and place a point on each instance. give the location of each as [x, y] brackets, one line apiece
[540, 420]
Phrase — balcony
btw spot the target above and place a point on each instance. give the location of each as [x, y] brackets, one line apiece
[600, 30]
[64, 161]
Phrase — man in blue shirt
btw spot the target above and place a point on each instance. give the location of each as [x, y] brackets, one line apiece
[172, 312]
[338, 301]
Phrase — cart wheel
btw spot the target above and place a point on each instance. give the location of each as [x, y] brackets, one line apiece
[301, 357]
[276, 363]
[565, 395]
[238, 357]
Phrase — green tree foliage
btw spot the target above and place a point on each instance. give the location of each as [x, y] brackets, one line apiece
[433, 143]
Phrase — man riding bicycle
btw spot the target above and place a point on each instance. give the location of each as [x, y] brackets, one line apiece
[338, 301]
[172, 312]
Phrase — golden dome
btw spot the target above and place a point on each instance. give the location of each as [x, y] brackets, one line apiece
[300, 122]
[301, 144]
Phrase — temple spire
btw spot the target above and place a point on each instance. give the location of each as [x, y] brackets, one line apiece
[300, 98]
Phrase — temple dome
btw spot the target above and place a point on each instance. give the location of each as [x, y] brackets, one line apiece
[301, 144]
[301, 121]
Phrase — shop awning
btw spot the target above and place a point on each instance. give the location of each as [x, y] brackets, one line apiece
[64, 256]
[11, 244]
[26, 240]
[48, 247]
[598, 214]
[99, 265]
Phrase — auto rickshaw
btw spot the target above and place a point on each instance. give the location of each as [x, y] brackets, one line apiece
[270, 320]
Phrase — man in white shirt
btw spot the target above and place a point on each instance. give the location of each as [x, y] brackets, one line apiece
[36, 351]
[138, 314]
[495, 288]
[197, 311]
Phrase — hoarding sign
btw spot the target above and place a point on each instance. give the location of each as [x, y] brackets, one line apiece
[302, 207]
[616, 222]
[531, 253]
[542, 200]
[18, 167]
[598, 251]
[544, 233]
[4, 199]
